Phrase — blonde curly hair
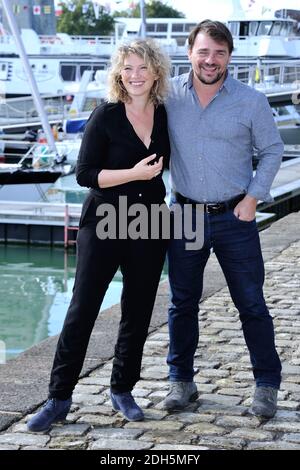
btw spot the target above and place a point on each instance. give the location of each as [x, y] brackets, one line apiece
[154, 58]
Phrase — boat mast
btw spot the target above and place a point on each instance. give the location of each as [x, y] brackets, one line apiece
[143, 18]
[7, 6]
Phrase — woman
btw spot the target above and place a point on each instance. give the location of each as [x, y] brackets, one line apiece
[123, 151]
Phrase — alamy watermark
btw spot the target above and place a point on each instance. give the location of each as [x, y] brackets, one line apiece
[154, 221]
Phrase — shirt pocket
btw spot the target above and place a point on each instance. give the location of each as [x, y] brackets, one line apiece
[230, 127]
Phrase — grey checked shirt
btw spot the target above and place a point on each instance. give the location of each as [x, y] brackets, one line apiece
[212, 148]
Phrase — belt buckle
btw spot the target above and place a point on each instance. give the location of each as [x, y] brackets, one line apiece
[215, 208]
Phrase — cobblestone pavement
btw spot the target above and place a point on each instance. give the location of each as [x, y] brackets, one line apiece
[219, 419]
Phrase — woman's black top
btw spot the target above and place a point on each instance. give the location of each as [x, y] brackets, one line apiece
[110, 142]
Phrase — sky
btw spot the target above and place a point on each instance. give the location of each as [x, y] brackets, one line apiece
[213, 8]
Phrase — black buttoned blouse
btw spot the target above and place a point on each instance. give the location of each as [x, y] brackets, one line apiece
[110, 142]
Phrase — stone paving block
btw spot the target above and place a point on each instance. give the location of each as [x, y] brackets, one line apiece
[112, 444]
[156, 372]
[86, 389]
[292, 437]
[280, 426]
[219, 443]
[159, 337]
[222, 399]
[21, 439]
[92, 380]
[159, 425]
[238, 421]
[70, 430]
[205, 429]
[273, 445]
[140, 392]
[290, 387]
[252, 434]
[95, 410]
[154, 385]
[105, 381]
[186, 418]
[179, 447]
[152, 413]
[288, 405]
[239, 392]
[88, 399]
[115, 433]
[212, 373]
[173, 437]
[67, 444]
[220, 409]
[153, 360]
[9, 447]
[206, 388]
[230, 383]
[158, 394]
[97, 420]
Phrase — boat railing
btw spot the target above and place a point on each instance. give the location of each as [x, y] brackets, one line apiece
[270, 74]
[23, 109]
[87, 40]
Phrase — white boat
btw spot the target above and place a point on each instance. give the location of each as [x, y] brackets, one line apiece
[31, 177]
[58, 62]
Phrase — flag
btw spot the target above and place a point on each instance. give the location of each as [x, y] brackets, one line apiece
[96, 7]
[16, 9]
[36, 9]
[47, 9]
[85, 8]
[59, 9]
[71, 7]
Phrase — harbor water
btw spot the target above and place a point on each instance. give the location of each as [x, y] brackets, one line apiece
[35, 289]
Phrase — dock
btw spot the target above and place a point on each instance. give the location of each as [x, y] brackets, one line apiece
[218, 420]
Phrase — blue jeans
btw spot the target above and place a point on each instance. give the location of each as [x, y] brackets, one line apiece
[237, 247]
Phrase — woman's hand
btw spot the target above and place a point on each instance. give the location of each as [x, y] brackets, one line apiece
[145, 170]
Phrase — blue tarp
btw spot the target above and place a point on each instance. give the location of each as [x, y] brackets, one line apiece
[75, 125]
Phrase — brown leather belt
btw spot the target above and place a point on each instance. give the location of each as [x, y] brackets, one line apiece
[211, 208]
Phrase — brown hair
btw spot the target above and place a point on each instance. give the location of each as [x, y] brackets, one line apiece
[156, 60]
[215, 29]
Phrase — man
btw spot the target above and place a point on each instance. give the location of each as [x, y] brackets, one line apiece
[215, 123]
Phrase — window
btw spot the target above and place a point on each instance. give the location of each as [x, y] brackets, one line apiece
[234, 27]
[150, 28]
[275, 31]
[68, 72]
[244, 28]
[177, 28]
[83, 68]
[183, 69]
[264, 28]
[161, 28]
[253, 25]
[188, 27]
[180, 40]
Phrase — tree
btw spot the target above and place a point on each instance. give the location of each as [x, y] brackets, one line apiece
[154, 9]
[74, 21]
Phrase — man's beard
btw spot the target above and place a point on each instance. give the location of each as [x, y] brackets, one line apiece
[218, 77]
